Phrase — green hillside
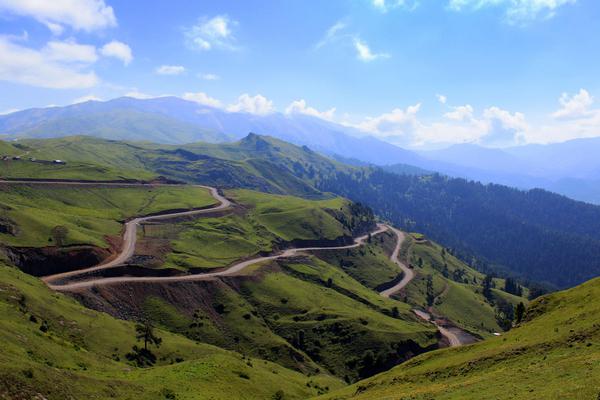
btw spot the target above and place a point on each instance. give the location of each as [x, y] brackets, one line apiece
[554, 354]
[57, 349]
[456, 290]
[29, 212]
[261, 224]
[455, 293]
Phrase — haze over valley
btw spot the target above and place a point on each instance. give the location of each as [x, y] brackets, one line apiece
[290, 200]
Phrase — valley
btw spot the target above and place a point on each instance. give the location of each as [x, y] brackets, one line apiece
[263, 266]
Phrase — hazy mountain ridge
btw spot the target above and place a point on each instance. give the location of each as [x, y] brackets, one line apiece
[173, 120]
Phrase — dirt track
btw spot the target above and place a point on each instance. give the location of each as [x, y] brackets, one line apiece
[130, 239]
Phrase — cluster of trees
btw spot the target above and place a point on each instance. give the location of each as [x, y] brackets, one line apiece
[512, 286]
[535, 234]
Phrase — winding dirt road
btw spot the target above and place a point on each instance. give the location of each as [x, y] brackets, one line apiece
[409, 274]
[130, 239]
[234, 269]
[453, 339]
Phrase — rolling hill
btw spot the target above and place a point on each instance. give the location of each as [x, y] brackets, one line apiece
[493, 227]
[553, 354]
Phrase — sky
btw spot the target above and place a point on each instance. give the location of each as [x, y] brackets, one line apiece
[417, 73]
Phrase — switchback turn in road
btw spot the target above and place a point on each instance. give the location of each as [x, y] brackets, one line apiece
[130, 239]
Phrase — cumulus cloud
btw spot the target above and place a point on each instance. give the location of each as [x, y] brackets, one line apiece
[118, 50]
[258, 105]
[300, 107]
[364, 53]
[211, 33]
[516, 10]
[493, 127]
[400, 126]
[170, 70]
[202, 98]
[460, 113]
[441, 98]
[575, 106]
[59, 65]
[85, 15]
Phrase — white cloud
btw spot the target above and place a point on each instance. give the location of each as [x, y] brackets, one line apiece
[118, 50]
[202, 98]
[216, 32]
[62, 65]
[385, 5]
[9, 111]
[577, 118]
[209, 77]
[258, 105]
[494, 127]
[516, 10]
[170, 70]
[460, 113]
[574, 106]
[300, 107]
[83, 99]
[136, 94]
[69, 51]
[364, 53]
[331, 34]
[441, 98]
[398, 126]
[85, 15]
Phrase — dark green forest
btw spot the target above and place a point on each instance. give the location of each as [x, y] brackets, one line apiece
[536, 235]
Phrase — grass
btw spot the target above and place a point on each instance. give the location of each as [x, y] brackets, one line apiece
[369, 264]
[262, 312]
[554, 355]
[294, 218]
[89, 213]
[457, 288]
[82, 356]
[266, 223]
[340, 320]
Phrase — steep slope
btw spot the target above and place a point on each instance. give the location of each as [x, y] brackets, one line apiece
[54, 348]
[501, 228]
[536, 234]
[554, 354]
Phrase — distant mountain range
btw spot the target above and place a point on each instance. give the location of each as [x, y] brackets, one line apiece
[172, 120]
[571, 168]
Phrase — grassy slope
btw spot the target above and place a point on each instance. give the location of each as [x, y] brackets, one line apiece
[88, 212]
[256, 162]
[87, 158]
[263, 314]
[269, 219]
[460, 300]
[82, 356]
[554, 355]
[369, 264]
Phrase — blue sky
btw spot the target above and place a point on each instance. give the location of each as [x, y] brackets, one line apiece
[414, 72]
